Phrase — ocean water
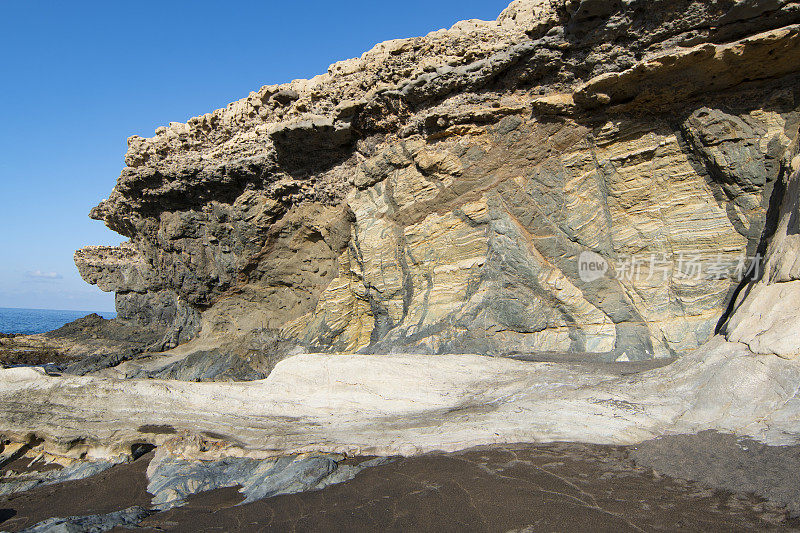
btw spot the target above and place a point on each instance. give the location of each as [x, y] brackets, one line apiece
[31, 321]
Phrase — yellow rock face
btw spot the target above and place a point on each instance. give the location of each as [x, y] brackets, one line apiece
[576, 176]
[472, 243]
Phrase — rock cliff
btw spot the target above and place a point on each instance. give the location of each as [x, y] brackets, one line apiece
[611, 183]
[435, 195]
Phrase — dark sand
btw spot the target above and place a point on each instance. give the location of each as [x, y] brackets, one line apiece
[559, 487]
[117, 488]
[728, 463]
[24, 465]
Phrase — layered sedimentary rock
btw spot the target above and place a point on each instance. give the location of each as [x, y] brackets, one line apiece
[435, 195]
[766, 316]
[590, 182]
[404, 405]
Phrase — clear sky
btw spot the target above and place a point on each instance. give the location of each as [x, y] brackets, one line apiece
[78, 78]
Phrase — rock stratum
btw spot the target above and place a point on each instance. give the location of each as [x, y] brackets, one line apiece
[435, 194]
[329, 251]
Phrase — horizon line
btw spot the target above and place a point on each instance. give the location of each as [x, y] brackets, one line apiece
[53, 309]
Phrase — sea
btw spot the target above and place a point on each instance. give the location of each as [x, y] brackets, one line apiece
[32, 321]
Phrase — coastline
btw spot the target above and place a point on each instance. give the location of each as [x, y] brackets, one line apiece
[26, 321]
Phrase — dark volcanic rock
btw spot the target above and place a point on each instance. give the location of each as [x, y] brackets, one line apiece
[126, 518]
[249, 357]
[83, 346]
[173, 479]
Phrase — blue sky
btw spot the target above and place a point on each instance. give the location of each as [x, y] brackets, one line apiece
[78, 78]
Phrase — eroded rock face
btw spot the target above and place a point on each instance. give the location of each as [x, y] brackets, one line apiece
[402, 404]
[436, 194]
[172, 478]
[766, 316]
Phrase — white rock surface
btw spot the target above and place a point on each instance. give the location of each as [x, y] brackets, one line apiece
[767, 317]
[406, 404]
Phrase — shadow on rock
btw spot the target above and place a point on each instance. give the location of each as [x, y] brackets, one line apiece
[5, 514]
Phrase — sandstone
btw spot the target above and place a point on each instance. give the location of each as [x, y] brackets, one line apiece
[403, 405]
[664, 80]
[407, 201]
[555, 104]
[536, 229]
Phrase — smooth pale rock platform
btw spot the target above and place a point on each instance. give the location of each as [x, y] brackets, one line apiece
[407, 404]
